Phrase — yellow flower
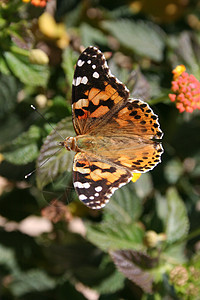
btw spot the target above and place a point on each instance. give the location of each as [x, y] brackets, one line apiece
[53, 30]
[178, 71]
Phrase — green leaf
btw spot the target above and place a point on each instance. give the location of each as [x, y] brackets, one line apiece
[68, 63]
[30, 74]
[24, 148]
[23, 155]
[124, 206]
[33, 280]
[53, 159]
[91, 36]
[144, 185]
[177, 220]
[108, 236]
[3, 66]
[143, 38]
[8, 94]
[111, 284]
[173, 170]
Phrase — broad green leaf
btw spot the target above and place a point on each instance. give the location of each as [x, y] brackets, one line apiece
[91, 36]
[143, 38]
[111, 284]
[109, 236]
[23, 149]
[22, 155]
[125, 206]
[144, 185]
[30, 74]
[33, 280]
[8, 93]
[7, 258]
[3, 66]
[177, 224]
[54, 159]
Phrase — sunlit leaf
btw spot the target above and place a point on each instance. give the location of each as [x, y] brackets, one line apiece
[115, 236]
[30, 74]
[124, 206]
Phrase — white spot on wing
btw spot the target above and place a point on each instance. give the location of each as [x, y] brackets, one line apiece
[82, 197]
[81, 185]
[93, 66]
[96, 194]
[95, 75]
[98, 188]
[80, 62]
[89, 61]
[84, 80]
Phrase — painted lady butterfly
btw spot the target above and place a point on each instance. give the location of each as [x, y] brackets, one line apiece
[116, 136]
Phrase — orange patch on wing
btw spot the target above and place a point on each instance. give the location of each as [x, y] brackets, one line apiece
[123, 112]
[125, 161]
[101, 110]
[122, 123]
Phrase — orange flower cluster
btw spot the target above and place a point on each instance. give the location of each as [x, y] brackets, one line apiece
[186, 90]
[40, 3]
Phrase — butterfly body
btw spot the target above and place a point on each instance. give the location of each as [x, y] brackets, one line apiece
[116, 136]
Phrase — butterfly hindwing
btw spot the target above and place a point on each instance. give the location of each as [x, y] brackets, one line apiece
[95, 181]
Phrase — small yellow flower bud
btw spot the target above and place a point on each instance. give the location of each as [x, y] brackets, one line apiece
[41, 100]
[37, 56]
[150, 239]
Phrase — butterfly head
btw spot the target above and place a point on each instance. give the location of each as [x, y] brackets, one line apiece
[70, 144]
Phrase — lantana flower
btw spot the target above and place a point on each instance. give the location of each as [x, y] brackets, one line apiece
[186, 90]
[40, 3]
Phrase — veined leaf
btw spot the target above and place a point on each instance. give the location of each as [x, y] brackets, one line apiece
[143, 38]
[134, 265]
[33, 280]
[54, 160]
[8, 93]
[125, 206]
[111, 284]
[177, 224]
[30, 74]
[91, 35]
[23, 149]
[109, 236]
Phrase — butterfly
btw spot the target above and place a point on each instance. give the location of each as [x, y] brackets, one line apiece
[116, 136]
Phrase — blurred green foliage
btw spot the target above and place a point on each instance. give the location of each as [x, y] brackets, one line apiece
[145, 243]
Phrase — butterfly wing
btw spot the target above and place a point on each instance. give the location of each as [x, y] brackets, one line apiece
[95, 91]
[95, 181]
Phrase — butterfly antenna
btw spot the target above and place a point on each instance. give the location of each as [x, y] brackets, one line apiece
[44, 162]
[34, 108]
